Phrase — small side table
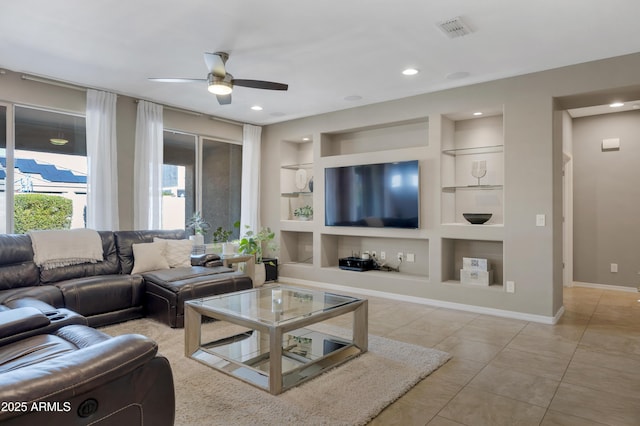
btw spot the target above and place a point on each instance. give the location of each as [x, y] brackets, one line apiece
[248, 259]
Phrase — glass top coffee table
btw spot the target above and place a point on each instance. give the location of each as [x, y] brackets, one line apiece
[274, 350]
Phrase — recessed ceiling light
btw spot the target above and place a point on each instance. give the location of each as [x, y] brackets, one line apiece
[306, 139]
[477, 113]
[410, 71]
[616, 104]
[353, 98]
[256, 108]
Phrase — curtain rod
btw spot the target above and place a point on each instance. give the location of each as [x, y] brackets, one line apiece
[197, 114]
[84, 89]
[52, 82]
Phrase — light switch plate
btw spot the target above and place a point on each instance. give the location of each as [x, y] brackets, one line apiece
[510, 287]
[540, 220]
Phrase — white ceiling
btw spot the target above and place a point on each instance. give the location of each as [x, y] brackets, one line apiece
[326, 50]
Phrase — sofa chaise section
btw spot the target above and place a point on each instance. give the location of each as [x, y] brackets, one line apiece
[166, 290]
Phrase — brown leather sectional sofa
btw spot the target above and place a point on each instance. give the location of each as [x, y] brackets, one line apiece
[57, 370]
[106, 292]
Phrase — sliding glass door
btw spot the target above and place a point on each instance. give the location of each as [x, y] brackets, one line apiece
[221, 184]
[201, 175]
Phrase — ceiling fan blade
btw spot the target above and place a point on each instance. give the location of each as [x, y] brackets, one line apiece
[224, 99]
[178, 80]
[259, 84]
[215, 63]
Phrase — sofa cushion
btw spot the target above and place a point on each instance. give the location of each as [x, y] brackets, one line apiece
[126, 239]
[149, 257]
[34, 350]
[106, 293]
[164, 278]
[17, 268]
[177, 252]
[48, 294]
[108, 266]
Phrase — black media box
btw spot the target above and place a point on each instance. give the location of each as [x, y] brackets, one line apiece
[356, 264]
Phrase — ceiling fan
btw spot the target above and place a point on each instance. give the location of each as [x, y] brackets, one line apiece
[220, 81]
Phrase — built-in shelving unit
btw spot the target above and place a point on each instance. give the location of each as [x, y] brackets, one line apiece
[472, 166]
[296, 177]
[431, 255]
[472, 181]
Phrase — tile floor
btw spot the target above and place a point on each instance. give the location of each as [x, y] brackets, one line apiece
[584, 371]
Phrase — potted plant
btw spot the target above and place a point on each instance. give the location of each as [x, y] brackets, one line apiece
[254, 243]
[304, 213]
[221, 235]
[199, 226]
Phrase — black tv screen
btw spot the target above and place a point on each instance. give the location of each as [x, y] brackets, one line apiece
[373, 195]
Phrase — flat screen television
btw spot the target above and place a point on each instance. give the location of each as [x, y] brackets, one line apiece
[373, 195]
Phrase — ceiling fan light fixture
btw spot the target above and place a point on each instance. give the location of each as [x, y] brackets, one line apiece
[219, 86]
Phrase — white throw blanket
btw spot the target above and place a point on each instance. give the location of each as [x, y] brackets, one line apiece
[54, 249]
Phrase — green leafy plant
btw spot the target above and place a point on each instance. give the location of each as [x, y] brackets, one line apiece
[254, 243]
[221, 235]
[41, 211]
[305, 211]
[198, 224]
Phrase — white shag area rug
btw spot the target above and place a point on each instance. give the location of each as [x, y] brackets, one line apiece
[350, 394]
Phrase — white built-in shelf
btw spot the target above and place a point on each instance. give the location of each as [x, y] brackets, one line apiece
[474, 150]
[297, 194]
[471, 187]
[298, 166]
[492, 287]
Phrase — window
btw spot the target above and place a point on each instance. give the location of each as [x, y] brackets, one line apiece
[201, 174]
[49, 172]
[3, 171]
[178, 180]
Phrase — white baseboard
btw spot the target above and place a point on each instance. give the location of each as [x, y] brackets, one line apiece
[606, 286]
[432, 302]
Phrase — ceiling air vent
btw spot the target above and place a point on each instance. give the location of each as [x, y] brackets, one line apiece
[454, 27]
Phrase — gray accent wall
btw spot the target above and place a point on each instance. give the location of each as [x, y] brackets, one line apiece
[606, 199]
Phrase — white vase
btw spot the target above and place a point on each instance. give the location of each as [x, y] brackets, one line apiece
[198, 239]
[260, 275]
[228, 248]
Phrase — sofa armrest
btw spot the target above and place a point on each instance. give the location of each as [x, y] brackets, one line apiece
[77, 372]
[208, 260]
[16, 321]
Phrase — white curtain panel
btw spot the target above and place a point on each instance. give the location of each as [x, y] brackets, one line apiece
[147, 211]
[102, 180]
[250, 193]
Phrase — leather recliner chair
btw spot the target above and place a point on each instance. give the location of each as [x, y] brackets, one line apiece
[78, 376]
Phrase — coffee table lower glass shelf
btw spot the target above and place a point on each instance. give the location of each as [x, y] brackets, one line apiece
[300, 353]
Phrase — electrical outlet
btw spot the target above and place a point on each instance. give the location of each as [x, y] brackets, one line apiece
[614, 267]
[400, 256]
[411, 257]
[383, 255]
[511, 287]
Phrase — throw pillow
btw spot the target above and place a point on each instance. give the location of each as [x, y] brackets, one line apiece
[177, 252]
[148, 257]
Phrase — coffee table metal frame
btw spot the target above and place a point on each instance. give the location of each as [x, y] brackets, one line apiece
[274, 380]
